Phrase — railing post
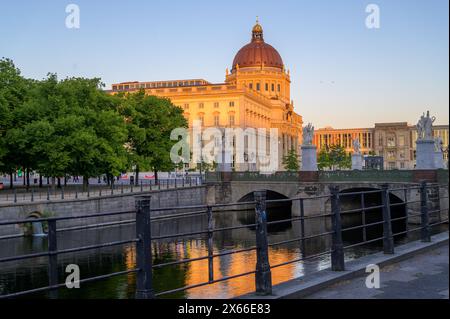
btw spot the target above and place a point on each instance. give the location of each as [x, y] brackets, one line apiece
[15, 195]
[263, 276]
[48, 193]
[210, 245]
[388, 239]
[142, 189]
[302, 228]
[62, 192]
[52, 258]
[144, 282]
[425, 224]
[32, 194]
[337, 246]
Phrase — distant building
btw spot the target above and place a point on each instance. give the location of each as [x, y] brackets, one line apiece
[394, 144]
[328, 136]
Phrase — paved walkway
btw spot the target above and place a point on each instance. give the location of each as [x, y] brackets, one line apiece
[424, 276]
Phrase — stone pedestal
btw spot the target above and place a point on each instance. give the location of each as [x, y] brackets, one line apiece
[309, 158]
[439, 160]
[357, 161]
[425, 154]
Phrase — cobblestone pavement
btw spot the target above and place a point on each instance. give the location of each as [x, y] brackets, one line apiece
[424, 276]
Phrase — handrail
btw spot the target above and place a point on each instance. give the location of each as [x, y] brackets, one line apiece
[263, 270]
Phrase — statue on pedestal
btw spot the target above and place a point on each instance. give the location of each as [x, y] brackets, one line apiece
[438, 144]
[308, 133]
[425, 127]
[356, 146]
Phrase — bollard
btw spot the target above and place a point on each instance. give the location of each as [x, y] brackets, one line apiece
[424, 218]
[48, 193]
[263, 275]
[15, 195]
[337, 247]
[52, 258]
[76, 193]
[388, 239]
[144, 289]
[32, 194]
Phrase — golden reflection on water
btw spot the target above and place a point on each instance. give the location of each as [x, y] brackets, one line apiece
[196, 272]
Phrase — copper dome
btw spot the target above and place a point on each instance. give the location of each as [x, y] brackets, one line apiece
[257, 52]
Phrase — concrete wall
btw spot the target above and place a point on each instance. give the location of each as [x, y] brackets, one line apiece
[105, 204]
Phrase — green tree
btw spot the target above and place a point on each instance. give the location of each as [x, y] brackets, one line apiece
[333, 157]
[290, 161]
[14, 91]
[150, 120]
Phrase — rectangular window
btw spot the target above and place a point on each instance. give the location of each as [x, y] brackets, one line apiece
[273, 87]
[250, 86]
[216, 120]
[186, 106]
[114, 88]
[391, 141]
[279, 88]
[231, 120]
[216, 105]
[257, 87]
[231, 104]
[201, 105]
[401, 140]
[267, 86]
[201, 118]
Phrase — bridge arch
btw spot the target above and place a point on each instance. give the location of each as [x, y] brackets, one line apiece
[370, 216]
[275, 211]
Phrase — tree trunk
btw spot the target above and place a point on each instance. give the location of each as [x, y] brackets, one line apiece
[11, 181]
[156, 177]
[59, 182]
[28, 179]
[85, 183]
[53, 183]
[40, 181]
[136, 179]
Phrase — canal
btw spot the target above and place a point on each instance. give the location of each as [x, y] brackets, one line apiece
[32, 273]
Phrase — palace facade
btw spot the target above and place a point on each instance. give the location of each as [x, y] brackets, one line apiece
[255, 94]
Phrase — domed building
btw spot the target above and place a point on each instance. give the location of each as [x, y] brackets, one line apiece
[256, 94]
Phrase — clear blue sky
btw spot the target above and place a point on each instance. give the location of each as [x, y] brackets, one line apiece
[343, 74]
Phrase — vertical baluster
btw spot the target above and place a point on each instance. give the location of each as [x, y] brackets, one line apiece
[210, 245]
[263, 275]
[144, 281]
[52, 258]
[388, 239]
[425, 231]
[337, 246]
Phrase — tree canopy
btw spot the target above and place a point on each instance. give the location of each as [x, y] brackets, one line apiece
[73, 127]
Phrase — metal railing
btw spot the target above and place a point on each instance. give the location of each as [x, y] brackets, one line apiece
[47, 193]
[263, 276]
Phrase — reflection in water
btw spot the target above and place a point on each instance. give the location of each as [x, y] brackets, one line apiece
[32, 273]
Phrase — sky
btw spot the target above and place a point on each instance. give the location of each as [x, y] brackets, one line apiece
[343, 74]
